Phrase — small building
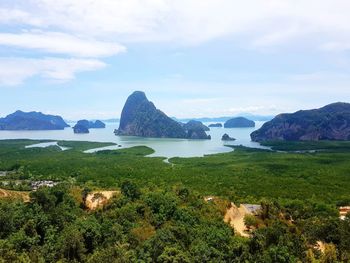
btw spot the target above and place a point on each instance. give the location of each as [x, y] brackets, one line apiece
[37, 184]
[209, 198]
[251, 208]
[343, 211]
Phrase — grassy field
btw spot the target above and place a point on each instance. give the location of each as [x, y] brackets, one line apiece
[246, 174]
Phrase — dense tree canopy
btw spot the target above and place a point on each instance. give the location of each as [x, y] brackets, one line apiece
[163, 225]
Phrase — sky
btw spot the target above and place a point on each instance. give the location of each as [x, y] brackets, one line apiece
[193, 58]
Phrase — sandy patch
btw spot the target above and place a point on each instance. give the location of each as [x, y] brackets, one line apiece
[98, 198]
[14, 194]
[3, 193]
[235, 217]
[321, 246]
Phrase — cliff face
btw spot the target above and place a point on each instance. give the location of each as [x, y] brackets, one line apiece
[239, 122]
[141, 118]
[20, 120]
[331, 122]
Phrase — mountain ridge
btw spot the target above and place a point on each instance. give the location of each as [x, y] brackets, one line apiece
[20, 120]
[331, 122]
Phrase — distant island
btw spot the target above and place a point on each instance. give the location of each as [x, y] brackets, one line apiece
[196, 130]
[141, 118]
[249, 116]
[226, 137]
[20, 120]
[195, 125]
[331, 122]
[78, 128]
[83, 126]
[92, 124]
[239, 122]
[217, 125]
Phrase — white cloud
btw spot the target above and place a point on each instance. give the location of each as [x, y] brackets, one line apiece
[14, 71]
[94, 28]
[190, 21]
[60, 43]
[336, 46]
[14, 15]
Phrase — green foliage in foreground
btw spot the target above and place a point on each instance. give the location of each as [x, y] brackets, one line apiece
[171, 223]
[163, 225]
[244, 174]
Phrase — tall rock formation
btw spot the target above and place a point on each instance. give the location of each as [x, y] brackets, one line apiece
[141, 118]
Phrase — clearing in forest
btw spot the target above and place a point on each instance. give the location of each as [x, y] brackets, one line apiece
[98, 198]
[14, 194]
[235, 217]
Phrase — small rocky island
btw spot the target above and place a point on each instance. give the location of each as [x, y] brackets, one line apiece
[226, 137]
[83, 126]
[332, 122]
[215, 125]
[141, 118]
[20, 120]
[78, 128]
[239, 122]
[196, 130]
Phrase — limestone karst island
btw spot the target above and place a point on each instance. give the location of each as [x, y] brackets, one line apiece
[158, 131]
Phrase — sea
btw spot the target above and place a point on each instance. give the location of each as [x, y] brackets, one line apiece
[163, 147]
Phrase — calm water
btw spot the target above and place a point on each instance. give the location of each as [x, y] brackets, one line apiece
[163, 147]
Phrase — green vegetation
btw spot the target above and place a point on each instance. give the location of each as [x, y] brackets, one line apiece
[247, 174]
[308, 145]
[162, 225]
[161, 216]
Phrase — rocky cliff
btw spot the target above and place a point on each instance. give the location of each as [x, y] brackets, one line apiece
[141, 118]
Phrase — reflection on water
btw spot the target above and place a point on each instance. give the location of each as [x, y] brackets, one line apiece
[163, 147]
[46, 144]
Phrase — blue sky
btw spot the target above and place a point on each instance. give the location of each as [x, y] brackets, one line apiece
[193, 58]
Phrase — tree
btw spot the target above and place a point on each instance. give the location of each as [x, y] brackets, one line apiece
[91, 231]
[120, 253]
[130, 190]
[330, 254]
[163, 206]
[174, 255]
[72, 243]
[250, 220]
[84, 195]
[43, 198]
[310, 257]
